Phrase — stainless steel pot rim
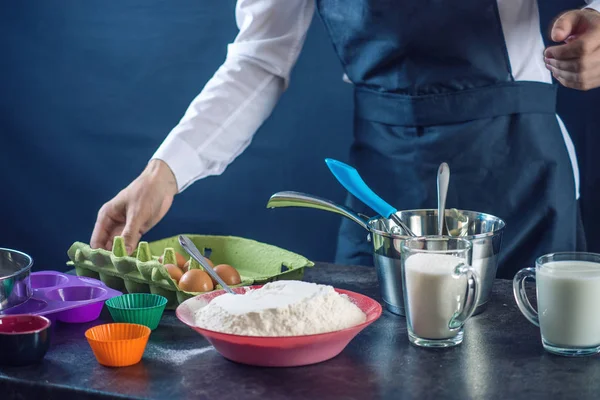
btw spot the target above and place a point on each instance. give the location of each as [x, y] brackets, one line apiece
[27, 267]
[463, 239]
[388, 235]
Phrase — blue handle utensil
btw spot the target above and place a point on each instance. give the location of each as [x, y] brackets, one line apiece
[351, 180]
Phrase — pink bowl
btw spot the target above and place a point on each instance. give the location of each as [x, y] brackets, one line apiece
[280, 351]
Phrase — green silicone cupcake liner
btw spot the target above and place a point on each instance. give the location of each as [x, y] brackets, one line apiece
[137, 308]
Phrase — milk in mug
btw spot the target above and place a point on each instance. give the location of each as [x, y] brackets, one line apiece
[568, 294]
[434, 294]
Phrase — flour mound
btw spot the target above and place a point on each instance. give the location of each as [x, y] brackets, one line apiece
[281, 308]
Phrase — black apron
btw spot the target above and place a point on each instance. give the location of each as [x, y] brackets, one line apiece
[433, 84]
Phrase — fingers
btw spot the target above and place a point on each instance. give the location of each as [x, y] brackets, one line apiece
[102, 229]
[109, 222]
[578, 30]
[117, 229]
[133, 231]
[569, 84]
[565, 26]
[566, 65]
[565, 76]
[136, 209]
[584, 80]
[582, 73]
[571, 51]
[99, 237]
[576, 62]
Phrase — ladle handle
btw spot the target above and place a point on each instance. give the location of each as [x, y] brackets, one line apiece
[297, 199]
[443, 179]
[193, 251]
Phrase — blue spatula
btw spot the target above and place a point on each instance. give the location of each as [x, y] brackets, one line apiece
[351, 180]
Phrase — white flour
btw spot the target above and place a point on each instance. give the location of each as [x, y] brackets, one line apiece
[281, 308]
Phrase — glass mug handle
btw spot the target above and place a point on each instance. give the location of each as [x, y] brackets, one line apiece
[471, 299]
[521, 295]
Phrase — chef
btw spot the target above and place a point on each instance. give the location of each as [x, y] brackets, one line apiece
[467, 82]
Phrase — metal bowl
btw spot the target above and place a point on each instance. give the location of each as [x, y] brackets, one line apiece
[483, 230]
[15, 287]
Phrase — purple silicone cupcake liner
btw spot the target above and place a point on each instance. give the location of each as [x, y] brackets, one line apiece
[65, 298]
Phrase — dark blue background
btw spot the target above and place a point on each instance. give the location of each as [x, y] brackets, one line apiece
[89, 89]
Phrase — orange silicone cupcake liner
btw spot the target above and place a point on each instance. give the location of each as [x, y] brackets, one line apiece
[118, 344]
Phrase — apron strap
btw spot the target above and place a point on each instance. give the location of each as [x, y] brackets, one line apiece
[518, 97]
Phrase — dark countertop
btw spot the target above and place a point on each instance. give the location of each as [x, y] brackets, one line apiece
[501, 358]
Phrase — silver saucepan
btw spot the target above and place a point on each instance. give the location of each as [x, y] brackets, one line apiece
[483, 230]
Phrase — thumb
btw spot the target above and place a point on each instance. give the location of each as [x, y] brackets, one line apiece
[132, 233]
[565, 26]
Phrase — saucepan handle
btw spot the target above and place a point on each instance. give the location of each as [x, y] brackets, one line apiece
[297, 199]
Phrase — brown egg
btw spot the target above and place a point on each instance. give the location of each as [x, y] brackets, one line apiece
[181, 261]
[174, 271]
[186, 266]
[229, 274]
[196, 280]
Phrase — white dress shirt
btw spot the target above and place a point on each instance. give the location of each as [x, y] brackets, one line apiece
[220, 122]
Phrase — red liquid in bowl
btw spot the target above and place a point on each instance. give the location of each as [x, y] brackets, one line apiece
[22, 324]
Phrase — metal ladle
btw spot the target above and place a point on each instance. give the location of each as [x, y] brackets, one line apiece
[443, 179]
[193, 251]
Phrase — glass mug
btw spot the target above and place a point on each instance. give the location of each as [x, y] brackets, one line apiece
[568, 297]
[440, 287]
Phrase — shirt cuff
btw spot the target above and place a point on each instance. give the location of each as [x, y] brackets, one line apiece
[594, 5]
[182, 159]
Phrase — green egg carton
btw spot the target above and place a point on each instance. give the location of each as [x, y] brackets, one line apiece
[141, 272]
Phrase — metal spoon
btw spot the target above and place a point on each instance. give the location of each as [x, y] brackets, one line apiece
[352, 181]
[443, 179]
[192, 250]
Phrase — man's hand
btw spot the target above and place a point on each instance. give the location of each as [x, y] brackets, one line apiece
[137, 208]
[576, 62]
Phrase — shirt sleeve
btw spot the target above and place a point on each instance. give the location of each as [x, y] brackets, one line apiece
[220, 122]
[593, 4]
